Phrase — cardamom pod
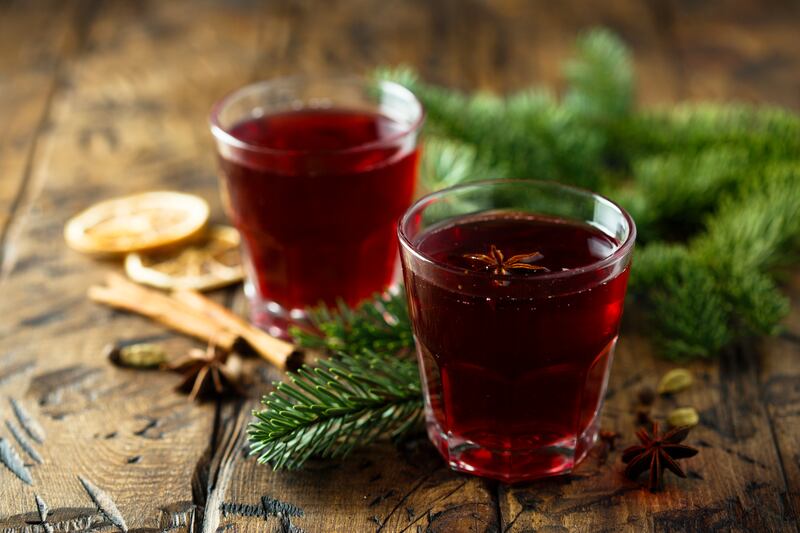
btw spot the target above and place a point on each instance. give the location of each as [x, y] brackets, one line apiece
[143, 355]
[674, 381]
[683, 416]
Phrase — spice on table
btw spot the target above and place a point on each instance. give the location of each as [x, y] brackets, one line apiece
[656, 453]
[607, 444]
[142, 355]
[278, 352]
[683, 416]
[209, 370]
[675, 381]
[609, 438]
[209, 263]
[193, 314]
[136, 223]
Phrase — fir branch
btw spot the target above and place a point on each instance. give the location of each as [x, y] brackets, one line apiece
[347, 401]
[766, 132]
[707, 295]
[600, 78]
[689, 314]
[531, 134]
[379, 325]
[715, 190]
[756, 229]
[676, 192]
[693, 176]
[446, 163]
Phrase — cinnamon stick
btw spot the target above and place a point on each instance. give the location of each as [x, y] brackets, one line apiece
[276, 351]
[123, 294]
[193, 314]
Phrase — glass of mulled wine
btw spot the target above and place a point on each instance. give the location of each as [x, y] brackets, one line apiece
[315, 174]
[515, 289]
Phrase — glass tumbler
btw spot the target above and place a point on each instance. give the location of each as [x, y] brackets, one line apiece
[515, 290]
[315, 174]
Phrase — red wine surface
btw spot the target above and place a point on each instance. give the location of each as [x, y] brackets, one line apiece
[514, 371]
[317, 203]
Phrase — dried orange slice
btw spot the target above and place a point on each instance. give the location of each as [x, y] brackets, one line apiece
[214, 262]
[137, 223]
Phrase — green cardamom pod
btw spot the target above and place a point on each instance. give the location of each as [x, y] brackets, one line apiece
[683, 416]
[143, 355]
[675, 380]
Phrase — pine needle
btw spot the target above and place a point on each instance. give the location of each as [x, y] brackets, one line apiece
[347, 401]
[380, 325]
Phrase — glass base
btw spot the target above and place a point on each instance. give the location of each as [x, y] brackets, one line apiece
[513, 466]
[271, 316]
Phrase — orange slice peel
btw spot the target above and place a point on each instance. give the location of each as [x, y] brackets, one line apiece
[138, 223]
[207, 264]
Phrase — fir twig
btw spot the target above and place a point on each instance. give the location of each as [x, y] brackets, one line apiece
[347, 401]
[380, 325]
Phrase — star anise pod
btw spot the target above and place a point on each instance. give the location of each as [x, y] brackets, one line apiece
[498, 264]
[206, 370]
[656, 453]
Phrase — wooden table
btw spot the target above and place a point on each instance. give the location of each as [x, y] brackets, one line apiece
[99, 99]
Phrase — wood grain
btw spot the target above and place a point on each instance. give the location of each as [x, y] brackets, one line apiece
[734, 483]
[779, 381]
[102, 99]
[383, 488]
[34, 42]
[738, 50]
[124, 119]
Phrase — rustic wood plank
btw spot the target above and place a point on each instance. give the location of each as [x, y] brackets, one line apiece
[381, 488]
[733, 484]
[779, 377]
[373, 496]
[736, 483]
[597, 487]
[540, 37]
[34, 39]
[734, 50]
[471, 45]
[129, 116]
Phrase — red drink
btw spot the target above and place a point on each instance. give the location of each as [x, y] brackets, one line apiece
[316, 194]
[515, 352]
[317, 234]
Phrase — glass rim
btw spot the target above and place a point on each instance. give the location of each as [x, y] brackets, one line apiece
[223, 135]
[622, 250]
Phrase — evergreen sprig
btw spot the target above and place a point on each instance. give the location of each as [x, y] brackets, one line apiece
[380, 325]
[346, 401]
[367, 389]
[714, 189]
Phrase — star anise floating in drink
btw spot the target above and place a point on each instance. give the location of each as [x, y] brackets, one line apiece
[496, 262]
[656, 453]
[212, 369]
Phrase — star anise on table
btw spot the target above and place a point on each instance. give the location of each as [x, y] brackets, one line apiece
[212, 369]
[498, 264]
[656, 453]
